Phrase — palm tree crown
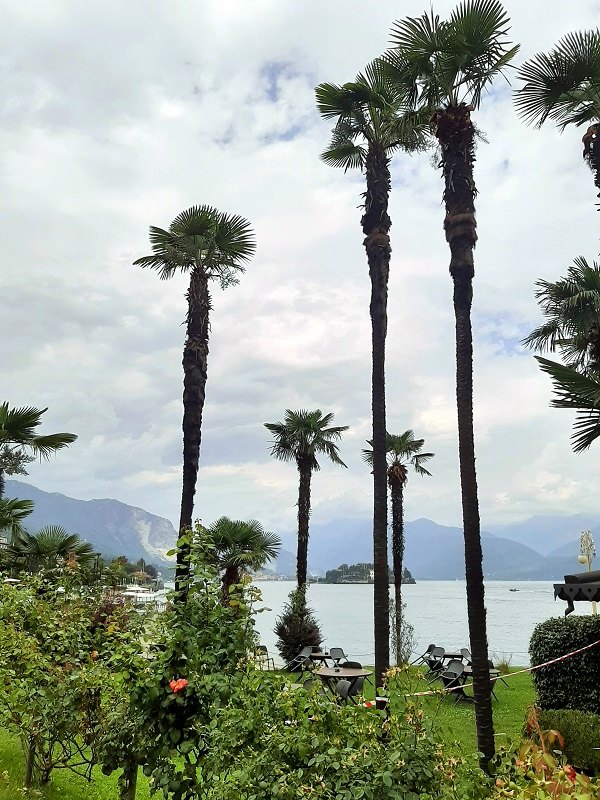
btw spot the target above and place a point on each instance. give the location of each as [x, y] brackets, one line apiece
[12, 514]
[571, 306]
[240, 546]
[303, 435]
[50, 545]
[402, 450]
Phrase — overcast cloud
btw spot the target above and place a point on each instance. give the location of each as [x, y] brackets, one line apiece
[116, 116]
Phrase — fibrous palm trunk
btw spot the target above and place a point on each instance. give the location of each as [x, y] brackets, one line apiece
[195, 357]
[456, 136]
[305, 474]
[396, 491]
[231, 577]
[591, 152]
[376, 224]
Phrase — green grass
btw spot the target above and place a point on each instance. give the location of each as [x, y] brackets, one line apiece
[64, 785]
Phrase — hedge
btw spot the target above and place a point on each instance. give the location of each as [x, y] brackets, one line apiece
[573, 683]
[581, 732]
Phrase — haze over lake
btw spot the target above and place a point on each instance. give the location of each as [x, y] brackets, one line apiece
[436, 609]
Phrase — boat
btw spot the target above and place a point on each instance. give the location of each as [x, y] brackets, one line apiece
[513, 590]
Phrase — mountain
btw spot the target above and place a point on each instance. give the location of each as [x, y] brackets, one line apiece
[114, 528]
[545, 533]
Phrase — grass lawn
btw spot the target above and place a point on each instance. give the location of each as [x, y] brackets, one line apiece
[64, 785]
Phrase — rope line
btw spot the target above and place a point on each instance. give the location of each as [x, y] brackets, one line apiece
[510, 674]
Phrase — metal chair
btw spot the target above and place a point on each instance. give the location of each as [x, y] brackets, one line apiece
[422, 659]
[342, 690]
[336, 654]
[301, 661]
[262, 657]
[435, 663]
[453, 680]
[356, 689]
[352, 665]
[466, 654]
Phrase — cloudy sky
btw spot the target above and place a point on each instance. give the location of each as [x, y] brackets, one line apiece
[116, 116]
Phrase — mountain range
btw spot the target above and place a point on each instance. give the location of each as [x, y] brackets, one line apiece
[539, 548]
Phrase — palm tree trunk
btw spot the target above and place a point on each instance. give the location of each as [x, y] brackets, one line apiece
[376, 224]
[305, 472]
[2, 484]
[230, 578]
[591, 152]
[456, 135]
[397, 559]
[195, 356]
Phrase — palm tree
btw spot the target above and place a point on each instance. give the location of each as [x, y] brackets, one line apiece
[301, 437]
[371, 124]
[564, 86]
[49, 546]
[572, 310]
[210, 245]
[18, 439]
[403, 451]
[580, 392]
[446, 65]
[12, 514]
[240, 546]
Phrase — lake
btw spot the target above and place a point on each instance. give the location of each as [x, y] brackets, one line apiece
[436, 609]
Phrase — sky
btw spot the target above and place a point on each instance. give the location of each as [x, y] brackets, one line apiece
[117, 116]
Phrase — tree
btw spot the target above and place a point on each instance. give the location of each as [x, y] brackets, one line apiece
[301, 437]
[209, 245]
[18, 439]
[403, 451]
[579, 392]
[12, 514]
[445, 66]
[564, 86]
[240, 546]
[571, 306]
[49, 546]
[372, 122]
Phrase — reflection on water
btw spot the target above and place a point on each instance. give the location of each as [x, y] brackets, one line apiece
[436, 609]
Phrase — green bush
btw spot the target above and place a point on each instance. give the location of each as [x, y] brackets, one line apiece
[572, 683]
[297, 626]
[581, 732]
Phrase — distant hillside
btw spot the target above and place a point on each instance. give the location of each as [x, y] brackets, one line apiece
[114, 528]
[547, 534]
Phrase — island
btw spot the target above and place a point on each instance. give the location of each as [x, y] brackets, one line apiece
[359, 573]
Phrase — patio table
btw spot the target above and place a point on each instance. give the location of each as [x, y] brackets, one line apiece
[321, 656]
[331, 675]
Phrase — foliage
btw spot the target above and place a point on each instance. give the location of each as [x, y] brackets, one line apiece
[297, 626]
[303, 435]
[580, 731]
[50, 547]
[404, 648]
[538, 770]
[572, 683]
[12, 514]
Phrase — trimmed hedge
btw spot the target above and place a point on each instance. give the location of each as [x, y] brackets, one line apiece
[581, 732]
[573, 683]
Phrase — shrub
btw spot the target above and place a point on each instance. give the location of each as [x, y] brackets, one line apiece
[581, 733]
[297, 626]
[572, 683]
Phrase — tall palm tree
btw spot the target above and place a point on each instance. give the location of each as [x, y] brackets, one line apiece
[209, 245]
[564, 86]
[240, 546]
[301, 437]
[18, 439]
[49, 546]
[446, 66]
[372, 122]
[403, 451]
[12, 514]
[571, 306]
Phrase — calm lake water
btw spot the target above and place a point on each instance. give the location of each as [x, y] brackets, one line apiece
[436, 609]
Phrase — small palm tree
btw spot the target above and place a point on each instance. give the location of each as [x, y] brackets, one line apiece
[446, 65]
[403, 451]
[571, 306]
[301, 437]
[564, 86]
[18, 437]
[209, 245]
[49, 546]
[580, 393]
[240, 546]
[372, 122]
[12, 514]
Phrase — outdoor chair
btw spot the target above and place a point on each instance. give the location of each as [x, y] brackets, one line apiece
[336, 654]
[342, 690]
[301, 661]
[262, 657]
[435, 663]
[422, 659]
[352, 665]
[308, 685]
[453, 679]
[356, 688]
[466, 654]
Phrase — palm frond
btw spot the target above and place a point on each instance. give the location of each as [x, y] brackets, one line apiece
[579, 392]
